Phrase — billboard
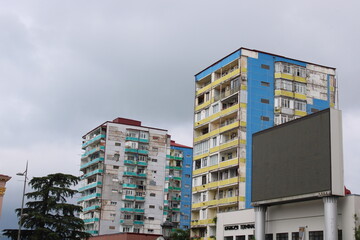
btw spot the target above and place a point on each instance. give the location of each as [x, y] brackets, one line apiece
[297, 160]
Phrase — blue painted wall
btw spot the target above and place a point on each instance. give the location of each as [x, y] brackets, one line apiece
[186, 185]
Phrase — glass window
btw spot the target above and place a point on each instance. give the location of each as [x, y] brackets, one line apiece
[215, 108]
[282, 236]
[316, 235]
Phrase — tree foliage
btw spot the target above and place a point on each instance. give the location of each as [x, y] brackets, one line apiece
[180, 234]
[47, 214]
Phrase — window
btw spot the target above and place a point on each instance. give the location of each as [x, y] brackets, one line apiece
[150, 230]
[204, 162]
[151, 206]
[300, 88]
[113, 203]
[206, 112]
[264, 66]
[198, 116]
[269, 236]
[201, 148]
[215, 108]
[251, 237]
[264, 118]
[282, 236]
[127, 216]
[112, 214]
[187, 165]
[282, 84]
[115, 167]
[151, 218]
[187, 175]
[213, 160]
[144, 135]
[265, 84]
[126, 229]
[300, 106]
[263, 100]
[111, 227]
[316, 235]
[155, 138]
[187, 185]
[154, 160]
[214, 142]
[285, 102]
[136, 230]
[117, 144]
[229, 238]
[295, 236]
[242, 237]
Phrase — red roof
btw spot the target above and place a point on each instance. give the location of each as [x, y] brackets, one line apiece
[173, 143]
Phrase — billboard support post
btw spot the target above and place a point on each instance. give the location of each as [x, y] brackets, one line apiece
[330, 215]
[260, 222]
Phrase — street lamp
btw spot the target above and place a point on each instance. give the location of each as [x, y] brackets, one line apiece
[23, 197]
[166, 229]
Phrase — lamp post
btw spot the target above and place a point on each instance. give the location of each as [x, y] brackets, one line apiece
[23, 197]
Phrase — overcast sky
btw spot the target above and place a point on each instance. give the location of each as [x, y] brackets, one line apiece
[68, 66]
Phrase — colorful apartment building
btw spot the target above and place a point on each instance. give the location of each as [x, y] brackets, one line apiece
[134, 179]
[243, 93]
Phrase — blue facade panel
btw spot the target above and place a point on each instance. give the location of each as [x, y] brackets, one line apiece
[257, 73]
[218, 65]
[186, 186]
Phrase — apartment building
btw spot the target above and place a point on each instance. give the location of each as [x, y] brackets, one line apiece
[133, 179]
[243, 93]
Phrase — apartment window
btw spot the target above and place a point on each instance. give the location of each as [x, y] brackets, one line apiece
[113, 203]
[128, 205]
[251, 237]
[215, 108]
[117, 144]
[187, 175]
[213, 159]
[204, 162]
[264, 66]
[112, 214]
[201, 148]
[150, 230]
[187, 165]
[263, 100]
[151, 218]
[198, 116]
[300, 72]
[316, 235]
[295, 236]
[144, 135]
[206, 112]
[214, 142]
[282, 236]
[201, 99]
[269, 236]
[229, 238]
[154, 160]
[300, 88]
[242, 237]
[151, 206]
[283, 85]
[126, 229]
[207, 96]
[285, 102]
[111, 227]
[187, 186]
[127, 216]
[155, 149]
[300, 106]
[115, 167]
[136, 230]
[230, 193]
[265, 84]
[264, 118]
[286, 68]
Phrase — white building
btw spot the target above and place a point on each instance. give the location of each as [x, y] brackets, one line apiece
[290, 221]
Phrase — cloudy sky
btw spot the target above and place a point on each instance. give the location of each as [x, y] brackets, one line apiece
[67, 66]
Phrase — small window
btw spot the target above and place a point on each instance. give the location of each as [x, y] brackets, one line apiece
[187, 175]
[113, 203]
[263, 100]
[187, 165]
[242, 237]
[264, 66]
[151, 206]
[152, 194]
[115, 167]
[117, 144]
[186, 195]
[112, 214]
[188, 155]
[265, 84]
[264, 118]
[154, 160]
[111, 227]
[150, 230]
[151, 218]
[155, 138]
[155, 149]
[282, 236]
[187, 185]
[269, 236]
[315, 235]
[154, 171]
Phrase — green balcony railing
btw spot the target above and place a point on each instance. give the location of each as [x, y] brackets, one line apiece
[94, 195]
[92, 232]
[90, 186]
[98, 137]
[127, 185]
[132, 139]
[91, 220]
[96, 160]
[93, 151]
[92, 173]
[91, 208]
[139, 222]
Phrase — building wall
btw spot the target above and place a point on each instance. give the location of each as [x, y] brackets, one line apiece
[288, 218]
[270, 90]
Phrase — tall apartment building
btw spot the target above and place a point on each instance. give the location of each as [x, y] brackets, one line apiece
[134, 179]
[243, 93]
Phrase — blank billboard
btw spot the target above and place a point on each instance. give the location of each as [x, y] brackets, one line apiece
[298, 160]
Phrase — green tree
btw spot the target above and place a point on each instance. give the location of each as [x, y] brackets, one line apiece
[48, 215]
[180, 234]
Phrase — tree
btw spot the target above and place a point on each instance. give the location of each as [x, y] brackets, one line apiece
[180, 234]
[48, 215]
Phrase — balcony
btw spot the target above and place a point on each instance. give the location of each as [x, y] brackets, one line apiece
[174, 167]
[174, 157]
[92, 151]
[93, 140]
[96, 160]
[97, 171]
[175, 188]
[91, 208]
[91, 220]
[202, 222]
[143, 151]
[127, 185]
[223, 164]
[93, 232]
[229, 200]
[138, 222]
[88, 197]
[92, 185]
[215, 184]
